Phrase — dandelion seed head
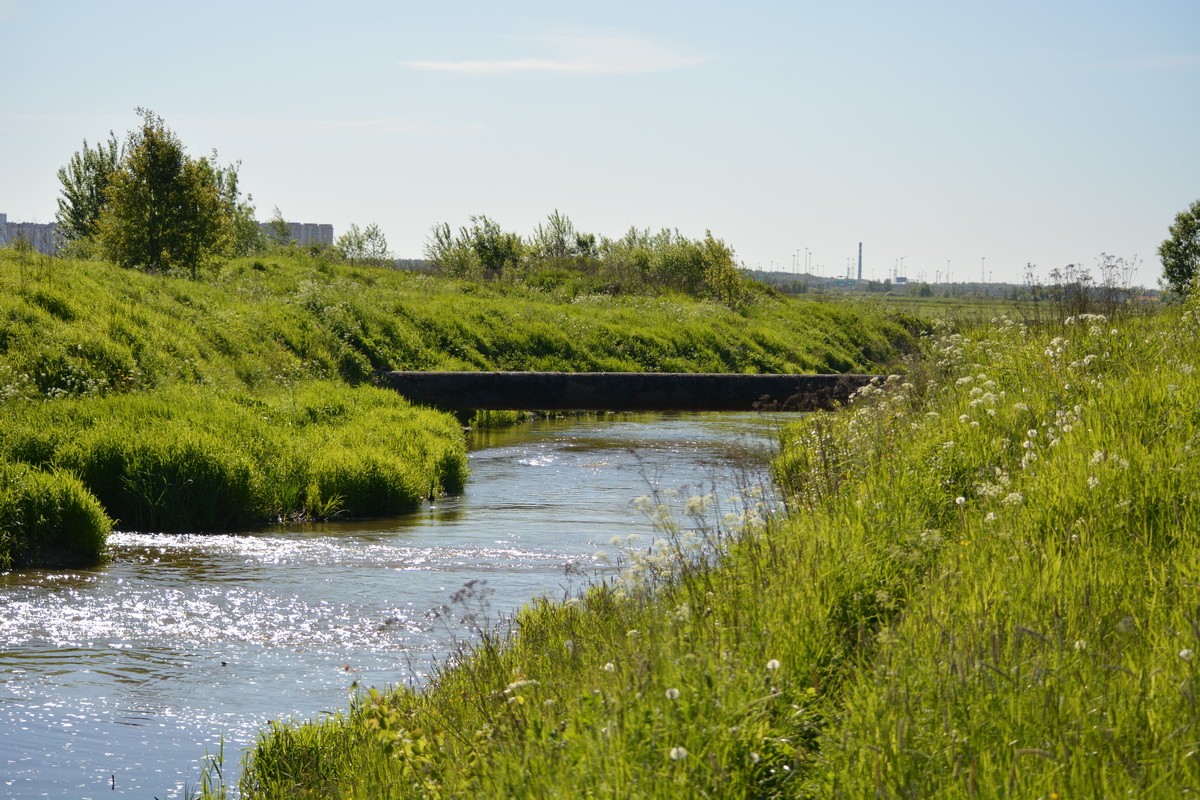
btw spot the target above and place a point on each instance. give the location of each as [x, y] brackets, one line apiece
[610, 667]
[1186, 654]
[773, 664]
[678, 753]
[672, 694]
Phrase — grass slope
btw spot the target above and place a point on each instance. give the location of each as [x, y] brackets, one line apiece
[245, 397]
[986, 585]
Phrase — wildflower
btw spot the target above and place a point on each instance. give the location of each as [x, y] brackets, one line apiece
[678, 753]
[1013, 499]
[1080, 645]
[991, 517]
[1093, 481]
[773, 664]
[672, 694]
[1186, 654]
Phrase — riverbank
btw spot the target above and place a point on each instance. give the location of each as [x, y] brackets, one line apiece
[245, 397]
[984, 586]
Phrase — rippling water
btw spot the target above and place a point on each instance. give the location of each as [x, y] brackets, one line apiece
[115, 682]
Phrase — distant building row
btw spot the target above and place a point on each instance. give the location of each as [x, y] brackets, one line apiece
[302, 233]
[45, 236]
[42, 235]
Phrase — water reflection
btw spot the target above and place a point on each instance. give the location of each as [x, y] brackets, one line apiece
[134, 670]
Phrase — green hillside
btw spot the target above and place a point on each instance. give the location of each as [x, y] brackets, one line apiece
[246, 396]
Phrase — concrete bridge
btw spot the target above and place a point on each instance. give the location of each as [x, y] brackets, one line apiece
[623, 391]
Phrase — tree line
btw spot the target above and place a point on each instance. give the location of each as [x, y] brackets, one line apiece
[557, 254]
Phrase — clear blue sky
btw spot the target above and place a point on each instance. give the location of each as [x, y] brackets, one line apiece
[1044, 132]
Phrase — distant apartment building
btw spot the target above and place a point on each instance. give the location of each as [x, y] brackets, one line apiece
[302, 233]
[44, 236]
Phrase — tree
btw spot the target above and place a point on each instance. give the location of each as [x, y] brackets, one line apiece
[557, 239]
[1180, 253]
[482, 250]
[84, 180]
[164, 210]
[281, 232]
[367, 244]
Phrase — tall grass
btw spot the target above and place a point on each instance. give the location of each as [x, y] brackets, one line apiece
[987, 584]
[199, 459]
[88, 328]
[215, 404]
[48, 518]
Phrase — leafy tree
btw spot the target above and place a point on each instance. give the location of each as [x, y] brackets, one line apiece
[1180, 253]
[84, 181]
[495, 248]
[240, 232]
[557, 239]
[281, 232]
[482, 250]
[367, 244]
[164, 210]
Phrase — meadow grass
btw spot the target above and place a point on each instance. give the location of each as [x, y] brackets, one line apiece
[200, 459]
[986, 584]
[86, 328]
[245, 397]
[48, 518]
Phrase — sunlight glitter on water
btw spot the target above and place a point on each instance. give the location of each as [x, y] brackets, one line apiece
[131, 672]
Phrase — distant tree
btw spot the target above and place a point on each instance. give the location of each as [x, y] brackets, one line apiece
[557, 239]
[281, 232]
[1180, 252]
[366, 244]
[495, 248]
[483, 249]
[164, 210]
[84, 181]
[375, 244]
[240, 234]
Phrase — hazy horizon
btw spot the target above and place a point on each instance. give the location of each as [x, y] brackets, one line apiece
[983, 136]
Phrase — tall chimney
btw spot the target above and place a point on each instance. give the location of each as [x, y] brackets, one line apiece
[860, 261]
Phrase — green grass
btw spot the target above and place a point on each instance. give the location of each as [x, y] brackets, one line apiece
[198, 459]
[245, 397]
[48, 518]
[987, 584]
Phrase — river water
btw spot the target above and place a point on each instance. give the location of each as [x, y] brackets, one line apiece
[117, 681]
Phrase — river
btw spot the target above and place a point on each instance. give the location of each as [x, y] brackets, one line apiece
[117, 681]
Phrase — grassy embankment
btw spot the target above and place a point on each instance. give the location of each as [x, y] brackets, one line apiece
[245, 397]
[987, 585]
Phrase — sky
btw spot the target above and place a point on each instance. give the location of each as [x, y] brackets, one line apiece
[968, 139]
